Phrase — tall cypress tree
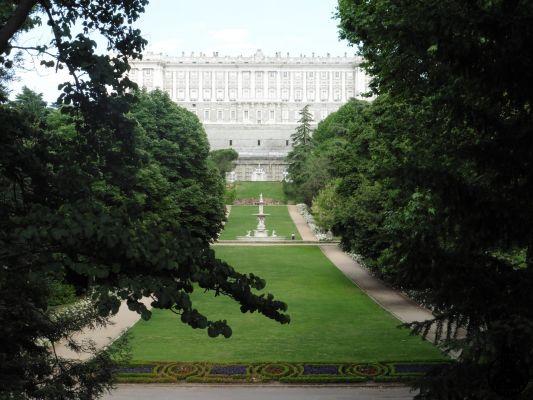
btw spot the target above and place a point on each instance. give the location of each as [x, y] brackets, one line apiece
[302, 135]
[302, 146]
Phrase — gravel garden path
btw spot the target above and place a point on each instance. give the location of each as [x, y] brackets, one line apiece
[301, 224]
[399, 305]
[269, 392]
[102, 337]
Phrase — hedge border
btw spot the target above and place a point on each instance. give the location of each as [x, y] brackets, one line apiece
[284, 372]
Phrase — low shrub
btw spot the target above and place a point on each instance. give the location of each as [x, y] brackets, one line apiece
[61, 293]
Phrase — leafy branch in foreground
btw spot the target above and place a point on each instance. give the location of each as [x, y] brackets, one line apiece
[111, 193]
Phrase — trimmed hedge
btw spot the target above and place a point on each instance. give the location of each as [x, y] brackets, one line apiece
[202, 372]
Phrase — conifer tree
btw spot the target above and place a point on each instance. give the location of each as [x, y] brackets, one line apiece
[302, 135]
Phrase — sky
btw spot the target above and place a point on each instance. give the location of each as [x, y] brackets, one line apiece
[231, 27]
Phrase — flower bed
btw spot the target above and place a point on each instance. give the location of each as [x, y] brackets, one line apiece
[317, 231]
[278, 372]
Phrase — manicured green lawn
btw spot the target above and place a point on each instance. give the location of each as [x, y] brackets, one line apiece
[242, 220]
[251, 190]
[331, 319]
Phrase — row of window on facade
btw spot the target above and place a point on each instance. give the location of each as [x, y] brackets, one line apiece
[259, 94]
[230, 142]
[261, 116]
[259, 75]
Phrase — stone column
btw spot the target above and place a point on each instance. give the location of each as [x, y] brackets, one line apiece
[330, 91]
[239, 87]
[213, 86]
[317, 86]
[291, 87]
[343, 86]
[200, 85]
[304, 84]
[252, 84]
[278, 84]
[187, 85]
[265, 84]
[174, 86]
[226, 87]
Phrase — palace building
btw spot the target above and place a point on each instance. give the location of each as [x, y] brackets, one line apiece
[251, 103]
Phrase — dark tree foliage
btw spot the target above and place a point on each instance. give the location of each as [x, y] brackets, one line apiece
[442, 197]
[301, 148]
[312, 167]
[302, 134]
[224, 159]
[112, 193]
[31, 104]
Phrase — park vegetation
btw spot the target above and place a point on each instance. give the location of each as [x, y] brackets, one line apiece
[109, 193]
[431, 181]
[224, 159]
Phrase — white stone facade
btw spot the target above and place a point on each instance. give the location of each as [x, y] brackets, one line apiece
[251, 103]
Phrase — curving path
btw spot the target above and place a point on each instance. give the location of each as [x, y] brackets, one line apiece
[102, 336]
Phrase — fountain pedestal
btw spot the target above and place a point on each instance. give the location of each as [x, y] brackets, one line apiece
[260, 232]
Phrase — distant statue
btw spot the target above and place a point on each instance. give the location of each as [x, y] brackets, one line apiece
[274, 233]
[249, 234]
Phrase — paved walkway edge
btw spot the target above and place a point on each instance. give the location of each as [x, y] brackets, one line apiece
[403, 308]
[305, 232]
[237, 392]
[103, 336]
[272, 243]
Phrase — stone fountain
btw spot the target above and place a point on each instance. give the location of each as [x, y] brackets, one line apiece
[260, 233]
[261, 230]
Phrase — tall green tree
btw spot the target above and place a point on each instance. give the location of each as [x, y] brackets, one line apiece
[224, 160]
[301, 149]
[453, 223]
[31, 103]
[112, 193]
[302, 135]
[312, 167]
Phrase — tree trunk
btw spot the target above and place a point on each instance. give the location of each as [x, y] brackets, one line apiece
[15, 22]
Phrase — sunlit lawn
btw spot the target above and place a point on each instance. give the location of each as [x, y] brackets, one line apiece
[242, 220]
[331, 319]
[251, 190]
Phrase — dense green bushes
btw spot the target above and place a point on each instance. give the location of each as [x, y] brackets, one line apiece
[61, 293]
[433, 180]
[311, 167]
[115, 219]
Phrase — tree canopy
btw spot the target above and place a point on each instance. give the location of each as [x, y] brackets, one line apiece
[312, 166]
[224, 160]
[435, 182]
[111, 192]
[432, 180]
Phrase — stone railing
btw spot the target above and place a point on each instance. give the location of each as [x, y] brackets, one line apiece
[317, 231]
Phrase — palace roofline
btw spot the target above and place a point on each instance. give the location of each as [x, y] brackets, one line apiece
[257, 57]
